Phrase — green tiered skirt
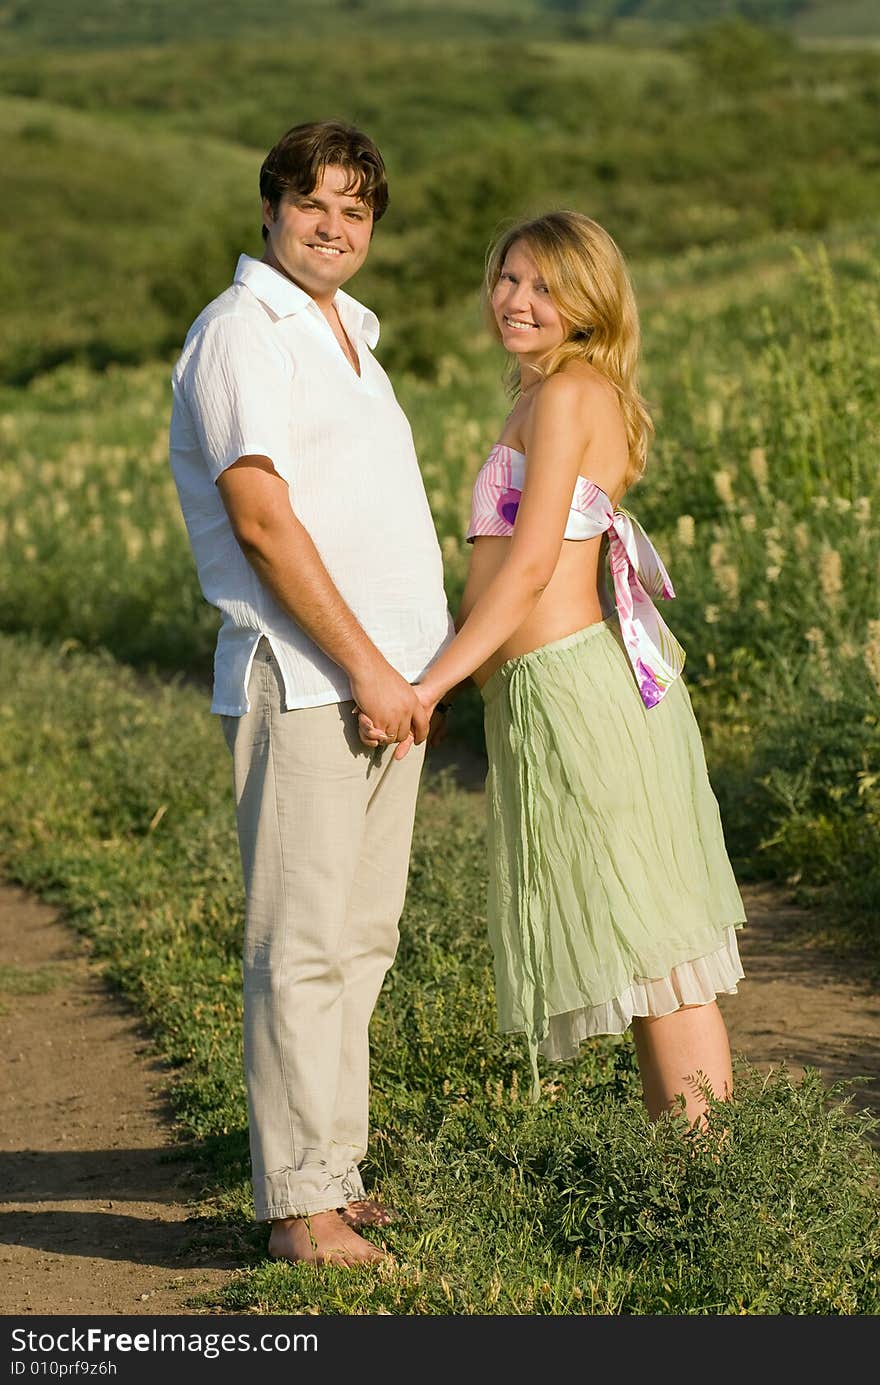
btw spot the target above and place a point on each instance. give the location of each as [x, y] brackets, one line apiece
[610, 890]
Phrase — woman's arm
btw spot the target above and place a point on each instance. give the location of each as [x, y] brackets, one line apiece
[555, 439]
[558, 435]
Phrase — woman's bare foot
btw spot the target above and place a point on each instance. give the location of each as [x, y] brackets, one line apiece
[367, 1212]
[321, 1239]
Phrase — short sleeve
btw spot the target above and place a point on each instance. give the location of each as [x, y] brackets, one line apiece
[237, 386]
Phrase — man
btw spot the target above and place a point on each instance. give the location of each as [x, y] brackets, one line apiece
[312, 534]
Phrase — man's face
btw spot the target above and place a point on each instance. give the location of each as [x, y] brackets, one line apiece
[321, 240]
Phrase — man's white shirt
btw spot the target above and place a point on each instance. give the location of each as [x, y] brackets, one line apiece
[262, 374]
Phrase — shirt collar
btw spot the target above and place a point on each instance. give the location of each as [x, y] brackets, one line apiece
[356, 319]
[286, 298]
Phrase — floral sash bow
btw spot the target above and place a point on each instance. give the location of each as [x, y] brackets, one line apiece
[638, 574]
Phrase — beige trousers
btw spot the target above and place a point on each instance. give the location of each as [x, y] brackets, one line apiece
[325, 828]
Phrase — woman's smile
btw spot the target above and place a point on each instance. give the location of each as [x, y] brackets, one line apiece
[529, 323]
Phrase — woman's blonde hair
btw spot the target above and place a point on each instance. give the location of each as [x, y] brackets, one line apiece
[589, 283]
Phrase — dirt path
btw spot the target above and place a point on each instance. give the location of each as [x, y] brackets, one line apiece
[94, 1220]
[801, 1005]
[95, 1217]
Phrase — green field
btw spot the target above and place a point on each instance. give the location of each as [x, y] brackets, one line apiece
[739, 169]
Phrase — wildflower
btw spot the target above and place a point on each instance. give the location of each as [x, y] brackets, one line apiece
[749, 522]
[816, 640]
[862, 509]
[724, 487]
[758, 466]
[727, 578]
[725, 573]
[710, 615]
[472, 430]
[801, 536]
[772, 573]
[830, 578]
[685, 531]
[134, 544]
[872, 652]
[775, 551]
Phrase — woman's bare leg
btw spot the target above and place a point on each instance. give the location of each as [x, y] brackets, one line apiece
[681, 1053]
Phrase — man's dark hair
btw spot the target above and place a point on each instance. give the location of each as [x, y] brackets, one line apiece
[296, 164]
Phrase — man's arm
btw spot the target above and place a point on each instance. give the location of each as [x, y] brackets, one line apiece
[284, 557]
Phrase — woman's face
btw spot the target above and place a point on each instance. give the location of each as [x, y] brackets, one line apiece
[527, 318]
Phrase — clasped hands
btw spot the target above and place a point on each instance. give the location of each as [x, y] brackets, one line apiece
[426, 724]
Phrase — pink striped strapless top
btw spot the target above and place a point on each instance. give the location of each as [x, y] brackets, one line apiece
[637, 570]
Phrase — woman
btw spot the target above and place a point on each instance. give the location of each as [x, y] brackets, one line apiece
[611, 897]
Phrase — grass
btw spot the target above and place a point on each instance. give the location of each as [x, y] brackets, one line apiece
[574, 1206]
[16, 980]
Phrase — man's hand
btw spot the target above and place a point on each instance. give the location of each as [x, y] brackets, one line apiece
[372, 734]
[388, 708]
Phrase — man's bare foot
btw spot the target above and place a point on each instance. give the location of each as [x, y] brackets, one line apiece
[321, 1239]
[367, 1212]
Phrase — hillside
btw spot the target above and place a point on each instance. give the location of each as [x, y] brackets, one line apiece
[152, 157]
[113, 23]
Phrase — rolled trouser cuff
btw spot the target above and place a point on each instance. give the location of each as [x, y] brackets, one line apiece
[306, 1191]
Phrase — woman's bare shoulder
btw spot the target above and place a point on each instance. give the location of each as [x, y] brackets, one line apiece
[570, 392]
[592, 386]
[579, 393]
[556, 412]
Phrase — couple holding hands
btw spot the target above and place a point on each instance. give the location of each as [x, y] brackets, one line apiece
[612, 903]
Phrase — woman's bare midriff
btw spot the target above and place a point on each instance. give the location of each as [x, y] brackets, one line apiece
[569, 602]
